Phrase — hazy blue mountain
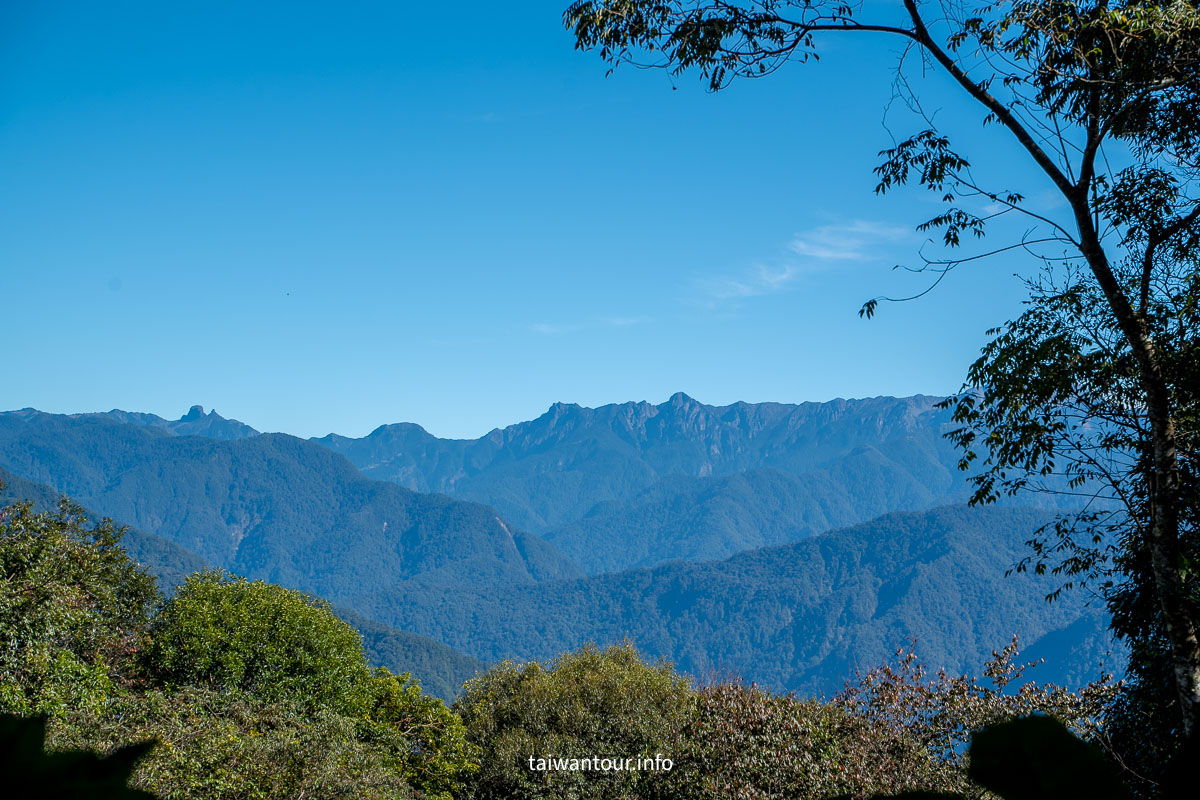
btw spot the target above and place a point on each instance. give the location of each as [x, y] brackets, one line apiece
[573, 463]
[273, 507]
[194, 423]
[801, 616]
[703, 519]
[440, 669]
[167, 561]
[698, 519]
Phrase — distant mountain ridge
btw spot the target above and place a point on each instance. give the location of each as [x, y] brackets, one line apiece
[552, 471]
[794, 615]
[273, 506]
[194, 423]
[635, 484]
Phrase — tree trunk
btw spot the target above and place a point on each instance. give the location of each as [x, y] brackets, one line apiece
[1164, 481]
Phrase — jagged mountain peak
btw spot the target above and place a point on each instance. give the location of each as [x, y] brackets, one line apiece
[194, 413]
[548, 471]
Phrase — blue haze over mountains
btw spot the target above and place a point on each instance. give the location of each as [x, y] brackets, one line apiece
[699, 532]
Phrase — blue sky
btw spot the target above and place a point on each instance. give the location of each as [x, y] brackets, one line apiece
[325, 217]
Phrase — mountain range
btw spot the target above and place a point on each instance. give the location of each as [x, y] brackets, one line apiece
[572, 461]
[272, 506]
[788, 544]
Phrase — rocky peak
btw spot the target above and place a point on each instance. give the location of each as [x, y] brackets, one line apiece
[194, 413]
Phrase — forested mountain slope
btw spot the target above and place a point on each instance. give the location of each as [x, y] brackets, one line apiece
[553, 471]
[440, 669]
[698, 519]
[802, 616]
[166, 560]
[273, 507]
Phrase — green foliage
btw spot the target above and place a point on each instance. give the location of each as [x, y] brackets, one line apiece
[267, 693]
[225, 633]
[587, 704]
[72, 609]
[435, 756]
[231, 746]
[169, 563]
[29, 772]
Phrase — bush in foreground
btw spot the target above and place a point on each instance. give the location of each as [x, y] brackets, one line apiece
[587, 704]
[229, 745]
[225, 633]
[72, 610]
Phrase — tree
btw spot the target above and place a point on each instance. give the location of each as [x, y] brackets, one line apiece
[893, 729]
[73, 608]
[1102, 98]
[225, 633]
[591, 705]
[436, 757]
[230, 745]
[745, 742]
[1060, 390]
[928, 720]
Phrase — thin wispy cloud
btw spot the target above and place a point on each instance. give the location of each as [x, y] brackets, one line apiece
[624, 322]
[755, 283]
[814, 250]
[857, 241]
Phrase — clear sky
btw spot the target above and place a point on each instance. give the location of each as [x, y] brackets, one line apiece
[322, 217]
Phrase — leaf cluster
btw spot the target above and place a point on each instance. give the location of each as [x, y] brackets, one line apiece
[73, 609]
[590, 703]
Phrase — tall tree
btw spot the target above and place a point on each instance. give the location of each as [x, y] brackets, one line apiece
[1102, 97]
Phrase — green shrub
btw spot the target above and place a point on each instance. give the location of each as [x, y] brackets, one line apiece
[236, 747]
[429, 741]
[225, 633]
[894, 729]
[72, 610]
[744, 742]
[587, 704]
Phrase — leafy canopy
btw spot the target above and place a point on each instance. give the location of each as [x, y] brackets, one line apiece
[590, 703]
[72, 609]
[279, 645]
